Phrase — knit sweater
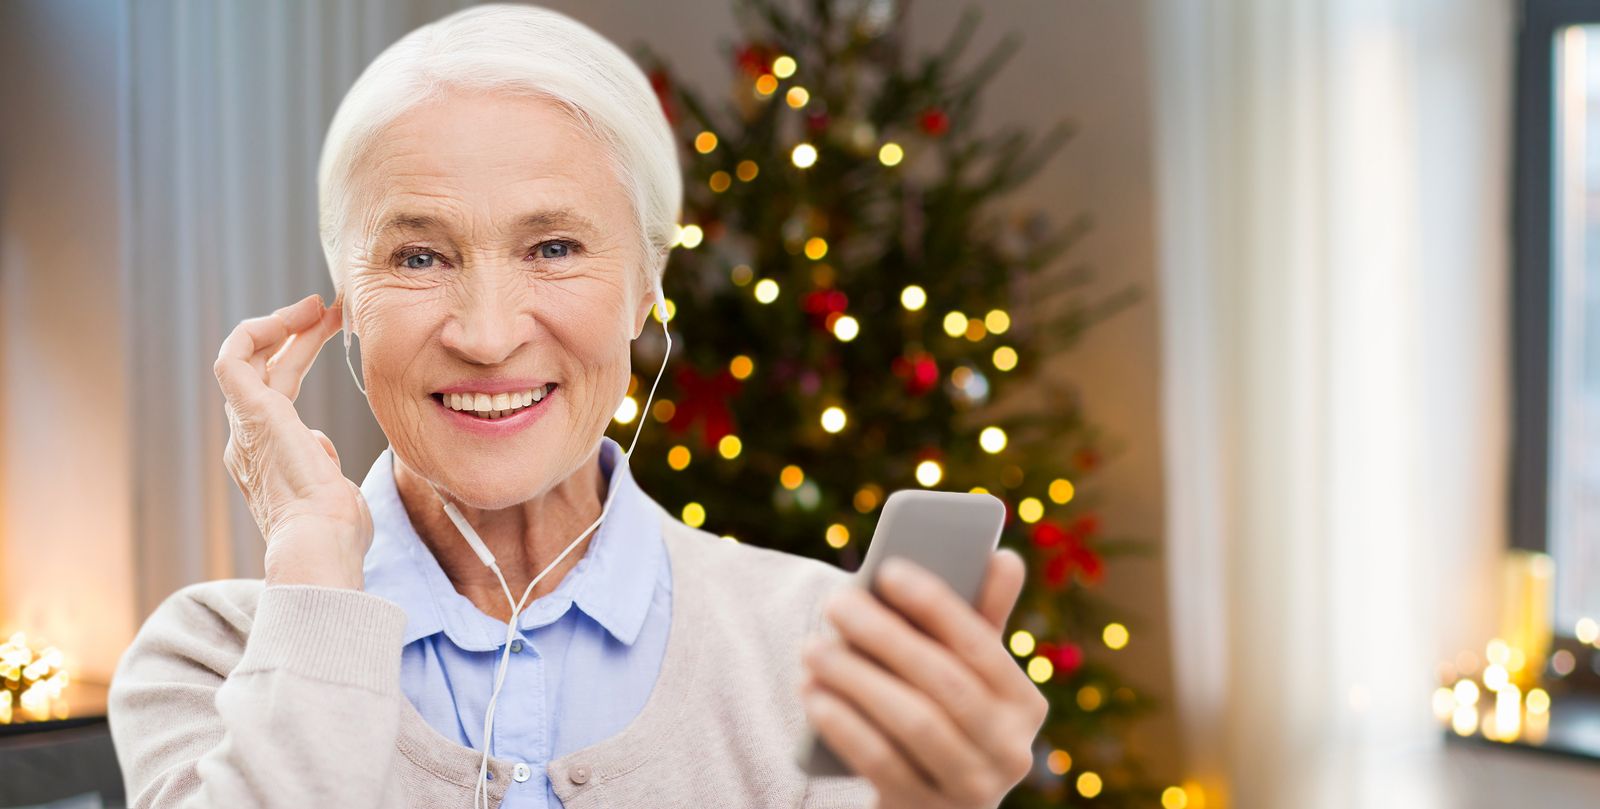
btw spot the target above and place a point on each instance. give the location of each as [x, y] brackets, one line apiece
[234, 694]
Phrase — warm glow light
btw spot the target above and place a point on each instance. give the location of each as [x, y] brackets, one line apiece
[992, 439]
[664, 410]
[1061, 491]
[978, 490]
[691, 236]
[694, 515]
[766, 290]
[741, 274]
[1508, 713]
[1022, 643]
[678, 457]
[766, 85]
[1005, 358]
[1538, 700]
[1465, 720]
[997, 321]
[1174, 798]
[929, 473]
[913, 297]
[627, 411]
[1498, 653]
[1466, 692]
[791, 477]
[837, 535]
[1115, 636]
[816, 247]
[1495, 677]
[741, 367]
[797, 97]
[866, 498]
[1088, 784]
[1040, 669]
[1090, 698]
[1030, 509]
[1587, 630]
[1058, 761]
[846, 328]
[955, 324]
[720, 181]
[783, 67]
[747, 170]
[672, 309]
[729, 446]
[705, 142]
[833, 419]
[890, 154]
[1444, 703]
[975, 330]
[804, 156]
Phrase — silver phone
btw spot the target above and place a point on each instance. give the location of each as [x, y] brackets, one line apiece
[952, 534]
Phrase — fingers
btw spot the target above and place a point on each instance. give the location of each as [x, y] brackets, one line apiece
[867, 624]
[865, 750]
[1001, 587]
[286, 369]
[933, 607]
[241, 362]
[912, 721]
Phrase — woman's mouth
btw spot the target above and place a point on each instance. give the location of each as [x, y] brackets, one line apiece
[495, 406]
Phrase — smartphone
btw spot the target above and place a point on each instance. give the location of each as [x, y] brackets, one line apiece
[952, 534]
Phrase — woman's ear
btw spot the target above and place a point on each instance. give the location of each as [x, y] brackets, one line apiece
[650, 297]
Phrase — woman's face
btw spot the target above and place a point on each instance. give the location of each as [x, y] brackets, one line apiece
[494, 259]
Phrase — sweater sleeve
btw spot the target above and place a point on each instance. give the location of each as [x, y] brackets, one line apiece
[835, 791]
[297, 707]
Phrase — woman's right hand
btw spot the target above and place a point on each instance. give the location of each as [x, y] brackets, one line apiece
[314, 519]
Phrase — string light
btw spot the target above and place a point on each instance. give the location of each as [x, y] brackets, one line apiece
[992, 439]
[664, 410]
[741, 367]
[1088, 784]
[997, 321]
[783, 67]
[791, 477]
[729, 446]
[797, 97]
[929, 473]
[1061, 491]
[627, 410]
[705, 142]
[804, 156]
[978, 490]
[741, 274]
[694, 515]
[672, 309]
[678, 457]
[867, 498]
[1005, 358]
[746, 170]
[1174, 798]
[955, 324]
[890, 154]
[766, 290]
[846, 328]
[837, 535]
[690, 236]
[1058, 761]
[975, 330]
[913, 297]
[766, 85]
[1022, 643]
[1040, 669]
[1587, 630]
[1030, 509]
[833, 419]
[1115, 636]
[1090, 698]
[816, 248]
[720, 181]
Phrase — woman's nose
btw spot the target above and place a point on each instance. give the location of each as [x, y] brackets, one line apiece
[489, 324]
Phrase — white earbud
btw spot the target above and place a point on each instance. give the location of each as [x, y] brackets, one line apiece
[344, 313]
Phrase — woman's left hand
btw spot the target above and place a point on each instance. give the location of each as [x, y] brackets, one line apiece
[923, 699]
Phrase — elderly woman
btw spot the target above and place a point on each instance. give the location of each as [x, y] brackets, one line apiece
[498, 195]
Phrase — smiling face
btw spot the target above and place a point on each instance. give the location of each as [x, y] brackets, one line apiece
[494, 281]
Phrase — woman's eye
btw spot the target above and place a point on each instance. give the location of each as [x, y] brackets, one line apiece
[553, 250]
[419, 261]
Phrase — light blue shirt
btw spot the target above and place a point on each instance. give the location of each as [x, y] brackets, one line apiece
[585, 657]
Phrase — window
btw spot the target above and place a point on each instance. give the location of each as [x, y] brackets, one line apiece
[1556, 488]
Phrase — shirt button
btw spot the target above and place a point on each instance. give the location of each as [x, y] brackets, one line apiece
[521, 772]
[579, 774]
[516, 645]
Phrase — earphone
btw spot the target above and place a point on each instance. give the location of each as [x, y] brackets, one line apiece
[480, 796]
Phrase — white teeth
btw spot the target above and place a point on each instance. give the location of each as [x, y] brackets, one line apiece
[502, 401]
[495, 405]
[482, 402]
[535, 395]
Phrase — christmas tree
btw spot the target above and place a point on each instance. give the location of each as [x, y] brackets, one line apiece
[860, 325]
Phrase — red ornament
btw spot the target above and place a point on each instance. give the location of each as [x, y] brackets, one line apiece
[934, 121]
[753, 58]
[1069, 550]
[705, 399]
[817, 121]
[1067, 658]
[924, 375]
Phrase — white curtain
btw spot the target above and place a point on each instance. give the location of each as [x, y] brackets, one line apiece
[229, 102]
[1333, 180]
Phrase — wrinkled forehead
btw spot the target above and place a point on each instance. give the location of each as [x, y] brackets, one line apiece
[467, 164]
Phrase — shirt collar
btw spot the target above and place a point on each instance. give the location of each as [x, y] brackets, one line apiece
[613, 583]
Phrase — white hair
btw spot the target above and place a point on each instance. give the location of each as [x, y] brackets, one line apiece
[520, 49]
